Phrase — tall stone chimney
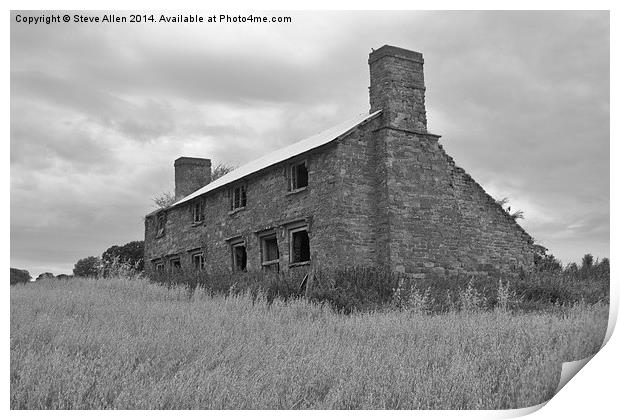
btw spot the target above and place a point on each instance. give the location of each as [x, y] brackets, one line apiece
[190, 174]
[397, 88]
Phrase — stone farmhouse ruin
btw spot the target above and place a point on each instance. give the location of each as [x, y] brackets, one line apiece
[377, 190]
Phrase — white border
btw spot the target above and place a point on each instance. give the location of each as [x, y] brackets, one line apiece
[591, 394]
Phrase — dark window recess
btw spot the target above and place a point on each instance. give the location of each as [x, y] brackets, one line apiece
[159, 267]
[300, 246]
[240, 257]
[198, 211]
[299, 176]
[270, 252]
[238, 198]
[161, 224]
[198, 261]
[175, 264]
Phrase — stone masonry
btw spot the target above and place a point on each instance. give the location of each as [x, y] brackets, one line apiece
[384, 194]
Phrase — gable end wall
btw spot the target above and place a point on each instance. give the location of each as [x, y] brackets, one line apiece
[440, 219]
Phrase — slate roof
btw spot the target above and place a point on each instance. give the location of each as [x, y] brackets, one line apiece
[283, 154]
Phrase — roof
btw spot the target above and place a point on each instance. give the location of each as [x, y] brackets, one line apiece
[283, 154]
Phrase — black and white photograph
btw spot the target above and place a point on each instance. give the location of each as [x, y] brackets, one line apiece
[306, 210]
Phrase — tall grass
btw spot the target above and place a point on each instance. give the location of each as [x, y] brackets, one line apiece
[123, 343]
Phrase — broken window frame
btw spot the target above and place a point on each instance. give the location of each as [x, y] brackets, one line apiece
[238, 197]
[160, 266]
[175, 264]
[264, 250]
[291, 236]
[236, 264]
[198, 211]
[198, 256]
[293, 176]
[160, 224]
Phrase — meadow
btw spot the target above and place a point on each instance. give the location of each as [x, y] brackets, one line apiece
[126, 343]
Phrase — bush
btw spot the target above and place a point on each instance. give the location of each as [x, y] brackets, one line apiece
[131, 254]
[355, 289]
[19, 276]
[87, 267]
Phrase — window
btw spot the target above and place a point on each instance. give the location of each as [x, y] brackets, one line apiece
[298, 176]
[238, 198]
[198, 261]
[239, 256]
[270, 254]
[161, 224]
[299, 245]
[159, 266]
[198, 213]
[175, 264]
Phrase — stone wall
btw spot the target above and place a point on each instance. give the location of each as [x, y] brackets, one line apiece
[270, 207]
[397, 87]
[386, 194]
[190, 174]
[440, 219]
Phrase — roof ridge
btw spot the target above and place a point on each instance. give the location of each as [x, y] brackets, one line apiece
[277, 156]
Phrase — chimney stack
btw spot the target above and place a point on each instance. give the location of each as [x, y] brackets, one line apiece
[397, 88]
[190, 174]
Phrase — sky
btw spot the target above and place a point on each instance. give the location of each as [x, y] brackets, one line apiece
[99, 113]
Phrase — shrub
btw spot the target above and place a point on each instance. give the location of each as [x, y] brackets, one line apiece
[19, 276]
[117, 267]
[131, 253]
[87, 267]
[471, 300]
[355, 289]
[506, 297]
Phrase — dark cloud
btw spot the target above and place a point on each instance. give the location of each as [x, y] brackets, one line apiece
[99, 113]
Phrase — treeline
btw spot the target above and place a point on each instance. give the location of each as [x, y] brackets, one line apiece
[118, 259]
[129, 256]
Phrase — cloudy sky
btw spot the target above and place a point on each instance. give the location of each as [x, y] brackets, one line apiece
[100, 112]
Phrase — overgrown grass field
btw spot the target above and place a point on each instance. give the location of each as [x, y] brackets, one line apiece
[123, 343]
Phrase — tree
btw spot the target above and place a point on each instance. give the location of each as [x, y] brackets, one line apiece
[571, 268]
[45, 276]
[603, 264]
[87, 267]
[19, 276]
[220, 170]
[131, 254]
[587, 262]
[166, 199]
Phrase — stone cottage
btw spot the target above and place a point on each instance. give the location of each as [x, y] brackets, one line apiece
[377, 190]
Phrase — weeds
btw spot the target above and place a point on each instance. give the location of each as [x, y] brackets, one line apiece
[355, 289]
